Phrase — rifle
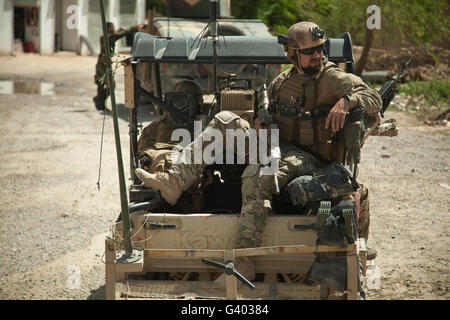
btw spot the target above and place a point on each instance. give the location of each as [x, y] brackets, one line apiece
[262, 111]
[389, 89]
[265, 118]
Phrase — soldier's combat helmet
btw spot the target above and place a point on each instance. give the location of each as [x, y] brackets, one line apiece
[187, 97]
[306, 35]
[190, 87]
[300, 36]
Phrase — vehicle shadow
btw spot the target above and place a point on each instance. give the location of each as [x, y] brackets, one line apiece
[98, 294]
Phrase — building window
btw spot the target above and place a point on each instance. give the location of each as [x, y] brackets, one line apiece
[94, 6]
[127, 6]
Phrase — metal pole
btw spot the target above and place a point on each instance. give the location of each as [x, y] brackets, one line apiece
[123, 194]
[213, 15]
[157, 85]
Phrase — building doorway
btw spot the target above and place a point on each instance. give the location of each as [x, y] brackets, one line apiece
[19, 24]
[26, 29]
[32, 39]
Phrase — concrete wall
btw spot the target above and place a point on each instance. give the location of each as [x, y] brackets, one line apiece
[59, 21]
[52, 21]
[66, 23]
[47, 26]
[141, 14]
[6, 26]
[83, 15]
[114, 13]
[94, 22]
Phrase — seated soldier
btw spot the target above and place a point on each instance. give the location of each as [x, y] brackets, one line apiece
[155, 143]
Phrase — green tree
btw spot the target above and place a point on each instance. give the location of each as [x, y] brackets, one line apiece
[159, 6]
[414, 22]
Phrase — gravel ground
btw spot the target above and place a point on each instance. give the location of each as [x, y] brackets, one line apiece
[53, 217]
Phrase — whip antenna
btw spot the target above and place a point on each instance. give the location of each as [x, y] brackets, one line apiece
[129, 255]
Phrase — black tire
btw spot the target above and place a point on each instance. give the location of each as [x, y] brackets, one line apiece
[227, 30]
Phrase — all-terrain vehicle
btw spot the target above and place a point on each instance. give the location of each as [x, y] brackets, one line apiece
[180, 251]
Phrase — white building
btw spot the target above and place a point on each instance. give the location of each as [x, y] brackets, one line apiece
[46, 26]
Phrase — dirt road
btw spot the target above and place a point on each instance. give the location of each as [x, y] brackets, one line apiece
[53, 218]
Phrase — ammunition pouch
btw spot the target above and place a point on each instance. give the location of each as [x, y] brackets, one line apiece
[285, 117]
[307, 129]
[305, 132]
[322, 135]
[330, 182]
[335, 226]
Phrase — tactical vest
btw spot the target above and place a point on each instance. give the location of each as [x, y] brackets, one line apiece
[296, 96]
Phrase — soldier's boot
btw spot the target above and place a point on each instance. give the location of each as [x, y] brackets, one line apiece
[99, 105]
[100, 98]
[170, 186]
[179, 178]
[371, 253]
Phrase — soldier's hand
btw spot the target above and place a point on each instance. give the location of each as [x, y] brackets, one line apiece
[138, 27]
[336, 116]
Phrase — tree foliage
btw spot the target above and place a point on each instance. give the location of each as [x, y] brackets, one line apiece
[418, 22]
[414, 22]
[159, 6]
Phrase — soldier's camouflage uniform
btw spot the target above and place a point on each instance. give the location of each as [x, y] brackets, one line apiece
[188, 169]
[293, 92]
[155, 142]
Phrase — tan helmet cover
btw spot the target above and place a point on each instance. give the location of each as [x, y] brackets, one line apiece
[306, 34]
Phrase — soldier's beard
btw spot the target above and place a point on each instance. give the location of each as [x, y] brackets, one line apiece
[310, 71]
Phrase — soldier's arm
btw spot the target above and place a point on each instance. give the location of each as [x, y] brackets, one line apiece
[356, 91]
[147, 137]
[361, 95]
[350, 91]
[122, 33]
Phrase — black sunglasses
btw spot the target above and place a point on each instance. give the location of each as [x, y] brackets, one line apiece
[310, 51]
